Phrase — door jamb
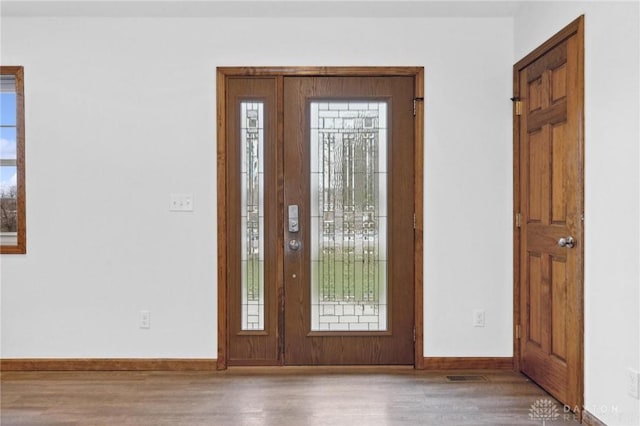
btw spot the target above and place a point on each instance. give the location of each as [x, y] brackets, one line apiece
[223, 73]
[576, 27]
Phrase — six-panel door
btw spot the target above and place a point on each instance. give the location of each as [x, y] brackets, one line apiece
[551, 233]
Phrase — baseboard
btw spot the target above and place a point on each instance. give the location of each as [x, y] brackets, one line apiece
[468, 363]
[591, 420]
[179, 364]
[107, 364]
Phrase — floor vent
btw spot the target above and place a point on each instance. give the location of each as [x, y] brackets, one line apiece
[466, 379]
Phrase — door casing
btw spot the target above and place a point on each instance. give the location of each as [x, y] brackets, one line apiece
[574, 28]
[225, 73]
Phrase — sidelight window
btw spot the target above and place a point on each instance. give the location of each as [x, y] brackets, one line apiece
[252, 183]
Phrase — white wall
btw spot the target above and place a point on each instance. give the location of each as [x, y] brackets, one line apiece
[121, 112]
[612, 253]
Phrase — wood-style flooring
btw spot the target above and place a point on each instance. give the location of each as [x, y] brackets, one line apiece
[273, 396]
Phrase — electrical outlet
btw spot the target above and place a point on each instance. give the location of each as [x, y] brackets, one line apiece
[181, 202]
[145, 319]
[478, 317]
[633, 383]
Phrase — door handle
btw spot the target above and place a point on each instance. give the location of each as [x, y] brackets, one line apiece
[567, 242]
[294, 245]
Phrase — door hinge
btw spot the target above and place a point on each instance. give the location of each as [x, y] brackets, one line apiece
[414, 334]
[517, 105]
[518, 331]
[415, 222]
[415, 105]
[518, 220]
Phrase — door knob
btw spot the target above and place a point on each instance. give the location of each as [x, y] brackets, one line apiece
[567, 242]
[294, 245]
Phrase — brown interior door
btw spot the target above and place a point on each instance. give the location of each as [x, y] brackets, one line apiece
[551, 185]
[349, 220]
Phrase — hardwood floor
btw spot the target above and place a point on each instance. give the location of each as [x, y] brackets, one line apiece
[271, 396]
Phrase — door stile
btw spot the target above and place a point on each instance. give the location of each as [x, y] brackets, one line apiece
[221, 145]
[517, 234]
[576, 222]
[418, 231]
[280, 214]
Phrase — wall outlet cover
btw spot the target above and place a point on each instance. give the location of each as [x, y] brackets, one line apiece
[633, 383]
[145, 319]
[478, 317]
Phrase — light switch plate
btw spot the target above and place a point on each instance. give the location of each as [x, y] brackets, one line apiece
[181, 202]
[478, 317]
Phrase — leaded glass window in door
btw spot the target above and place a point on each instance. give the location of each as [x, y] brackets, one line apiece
[252, 208]
[348, 216]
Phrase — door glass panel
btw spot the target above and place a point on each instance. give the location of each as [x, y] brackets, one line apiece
[348, 216]
[252, 210]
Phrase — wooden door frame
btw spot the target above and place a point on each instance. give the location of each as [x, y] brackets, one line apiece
[279, 73]
[574, 28]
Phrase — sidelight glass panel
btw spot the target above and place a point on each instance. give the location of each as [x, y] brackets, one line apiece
[252, 208]
[349, 216]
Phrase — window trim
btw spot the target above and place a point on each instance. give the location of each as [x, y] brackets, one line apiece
[21, 246]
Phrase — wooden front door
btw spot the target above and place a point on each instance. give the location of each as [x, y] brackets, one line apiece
[549, 208]
[319, 204]
[348, 144]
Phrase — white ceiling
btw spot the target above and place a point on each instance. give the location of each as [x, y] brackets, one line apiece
[258, 8]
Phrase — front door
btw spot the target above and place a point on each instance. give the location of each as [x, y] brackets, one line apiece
[319, 212]
[348, 270]
[549, 83]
